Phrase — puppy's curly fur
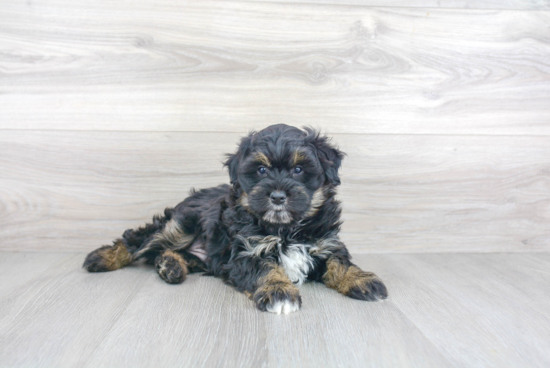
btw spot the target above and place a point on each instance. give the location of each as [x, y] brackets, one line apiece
[273, 228]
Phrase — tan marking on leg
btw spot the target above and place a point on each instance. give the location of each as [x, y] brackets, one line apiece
[166, 267]
[276, 293]
[178, 257]
[275, 276]
[343, 279]
[115, 257]
[195, 266]
[276, 280]
[258, 245]
[325, 247]
[173, 236]
[260, 157]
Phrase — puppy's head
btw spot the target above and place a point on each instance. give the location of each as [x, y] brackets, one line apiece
[284, 173]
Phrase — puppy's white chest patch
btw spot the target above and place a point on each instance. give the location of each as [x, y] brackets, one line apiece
[296, 262]
[295, 259]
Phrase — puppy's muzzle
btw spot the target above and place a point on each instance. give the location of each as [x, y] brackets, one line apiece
[278, 197]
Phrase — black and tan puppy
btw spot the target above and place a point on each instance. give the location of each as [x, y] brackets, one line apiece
[273, 228]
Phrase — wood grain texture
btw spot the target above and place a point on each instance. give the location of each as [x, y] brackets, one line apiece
[201, 323]
[78, 190]
[350, 333]
[18, 269]
[458, 4]
[204, 323]
[479, 310]
[58, 317]
[444, 310]
[230, 66]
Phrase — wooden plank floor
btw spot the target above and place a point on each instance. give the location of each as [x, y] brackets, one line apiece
[444, 310]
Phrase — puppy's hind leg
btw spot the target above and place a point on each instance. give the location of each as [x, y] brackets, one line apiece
[168, 246]
[108, 258]
[160, 242]
[125, 250]
[171, 267]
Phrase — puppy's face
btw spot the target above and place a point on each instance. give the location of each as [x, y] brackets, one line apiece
[284, 173]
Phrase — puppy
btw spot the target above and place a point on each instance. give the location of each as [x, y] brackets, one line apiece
[275, 227]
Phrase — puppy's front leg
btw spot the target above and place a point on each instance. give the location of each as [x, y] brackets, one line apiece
[265, 282]
[275, 293]
[350, 280]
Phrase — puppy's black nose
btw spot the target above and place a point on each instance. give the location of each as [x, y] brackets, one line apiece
[278, 197]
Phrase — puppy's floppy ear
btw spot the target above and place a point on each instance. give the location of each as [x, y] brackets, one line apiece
[233, 159]
[329, 156]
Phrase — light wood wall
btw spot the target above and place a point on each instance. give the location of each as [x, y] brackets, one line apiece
[112, 110]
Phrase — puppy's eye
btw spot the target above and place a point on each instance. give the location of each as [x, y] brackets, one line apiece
[262, 170]
[298, 170]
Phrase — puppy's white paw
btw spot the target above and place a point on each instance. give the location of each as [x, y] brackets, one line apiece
[283, 306]
[278, 297]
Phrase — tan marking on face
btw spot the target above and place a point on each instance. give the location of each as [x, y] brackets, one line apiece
[343, 279]
[244, 200]
[301, 190]
[316, 202]
[277, 217]
[298, 157]
[260, 157]
[255, 190]
[116, 256]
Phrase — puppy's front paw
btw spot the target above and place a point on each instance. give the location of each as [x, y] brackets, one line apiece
[354, 282]
[363, 285]
[171, 267]
[278, 298]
